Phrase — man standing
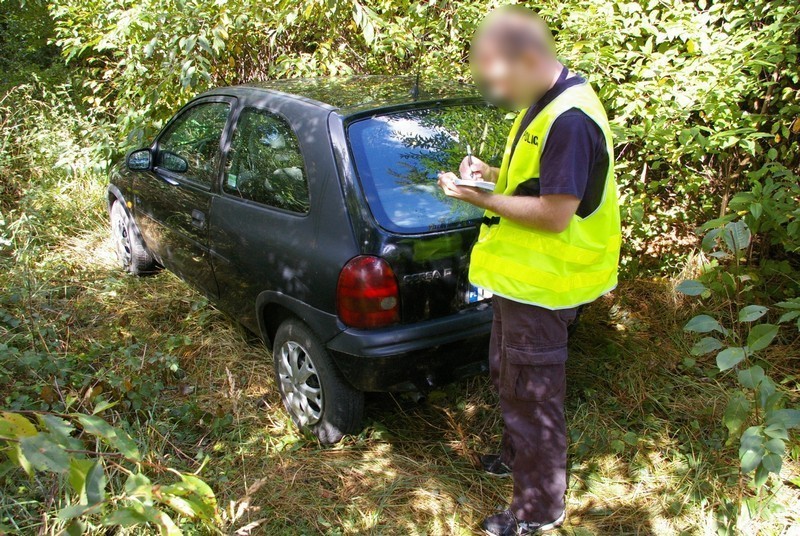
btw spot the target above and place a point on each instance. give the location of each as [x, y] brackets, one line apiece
[549, 243]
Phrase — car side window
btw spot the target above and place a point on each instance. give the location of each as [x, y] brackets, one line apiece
[191, 146]
[265, 164]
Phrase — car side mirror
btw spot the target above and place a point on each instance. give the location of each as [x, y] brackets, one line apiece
[173, 162]
[140, 160]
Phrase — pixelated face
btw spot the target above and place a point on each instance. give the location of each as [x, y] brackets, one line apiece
[504, 79]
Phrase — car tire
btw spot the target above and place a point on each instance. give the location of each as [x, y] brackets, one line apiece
[131, 250]
[314, 393]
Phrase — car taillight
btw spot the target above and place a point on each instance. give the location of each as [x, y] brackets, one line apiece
[367, 294]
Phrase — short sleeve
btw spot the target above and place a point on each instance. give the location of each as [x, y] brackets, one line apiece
[570, 156]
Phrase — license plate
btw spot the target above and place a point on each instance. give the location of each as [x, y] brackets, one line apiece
[475, 294]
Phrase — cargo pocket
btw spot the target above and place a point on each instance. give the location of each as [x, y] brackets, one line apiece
[534, 376]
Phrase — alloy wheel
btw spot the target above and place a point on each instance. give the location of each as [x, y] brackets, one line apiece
[122, 237]
[302, 391]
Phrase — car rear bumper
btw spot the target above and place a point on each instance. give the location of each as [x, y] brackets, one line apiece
[415, 357]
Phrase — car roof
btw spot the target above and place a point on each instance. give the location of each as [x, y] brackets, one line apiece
[356, 94]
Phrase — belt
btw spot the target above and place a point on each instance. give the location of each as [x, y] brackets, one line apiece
[494, 220]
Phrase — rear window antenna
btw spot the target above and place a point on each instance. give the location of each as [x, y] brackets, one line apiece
[420, 56]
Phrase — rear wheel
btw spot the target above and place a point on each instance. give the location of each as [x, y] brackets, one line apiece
[131, 250]
[313, 391]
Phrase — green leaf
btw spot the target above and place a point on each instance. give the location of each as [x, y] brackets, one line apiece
[703, 324]
[139, 486]
[761, 336]
[102, 405]
[125, 517]
[766, 390]
[162, 521]
[114, 437]
[61, 431]
[706, 345]
[16, 426]
[756, 210]
[751, 377]
[44, 453]
[788, 317]
[730, 357]
[776, 431]
[752, 312]
[96, 483]
[75, 528]
[789, 418]
[750, 460]
[751, 450]
[775, 446]
[736, 236]
[691, 287]
[772, 462]
[72, 511]
[204, 492]
[736, 413]
[761, 477]
[15, 455]
[78, 470]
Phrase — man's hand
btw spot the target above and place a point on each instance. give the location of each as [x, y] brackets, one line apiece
[475, 196]
[478, 170]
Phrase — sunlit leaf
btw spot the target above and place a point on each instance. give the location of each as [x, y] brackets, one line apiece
[15, 425]
[78, 470]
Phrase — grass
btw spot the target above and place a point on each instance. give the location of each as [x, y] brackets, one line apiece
[647, 452]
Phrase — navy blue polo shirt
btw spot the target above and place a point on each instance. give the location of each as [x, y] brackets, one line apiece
[574, 159]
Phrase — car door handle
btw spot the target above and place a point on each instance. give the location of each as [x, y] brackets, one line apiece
[198, 219]
[165, 178]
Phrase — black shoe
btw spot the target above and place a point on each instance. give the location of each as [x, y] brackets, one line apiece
[506, 524]
[492, 464]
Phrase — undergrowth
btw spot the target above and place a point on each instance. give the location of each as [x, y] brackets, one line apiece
[647, 454]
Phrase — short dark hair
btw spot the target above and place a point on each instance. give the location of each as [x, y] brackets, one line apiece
[516, 30]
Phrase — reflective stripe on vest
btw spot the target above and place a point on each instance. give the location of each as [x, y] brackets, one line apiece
[552, 270]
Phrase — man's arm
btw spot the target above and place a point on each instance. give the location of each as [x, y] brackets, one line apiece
[547, 213]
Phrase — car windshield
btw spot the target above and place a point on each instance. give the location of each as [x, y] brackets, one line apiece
[399, 155]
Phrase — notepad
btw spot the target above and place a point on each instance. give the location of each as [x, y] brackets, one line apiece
[484, 185]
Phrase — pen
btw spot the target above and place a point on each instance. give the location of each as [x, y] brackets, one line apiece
[469, 159]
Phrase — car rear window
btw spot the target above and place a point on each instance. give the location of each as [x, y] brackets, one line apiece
[398, 157]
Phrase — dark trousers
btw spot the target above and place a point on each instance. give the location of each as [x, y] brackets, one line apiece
[526, 360]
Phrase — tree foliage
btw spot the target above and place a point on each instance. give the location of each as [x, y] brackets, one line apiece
[701, 94]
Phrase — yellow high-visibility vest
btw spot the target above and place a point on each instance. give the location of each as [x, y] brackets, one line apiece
[551, 270]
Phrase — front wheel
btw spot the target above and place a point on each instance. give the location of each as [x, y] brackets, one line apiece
[132, 252]
[313, 391]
